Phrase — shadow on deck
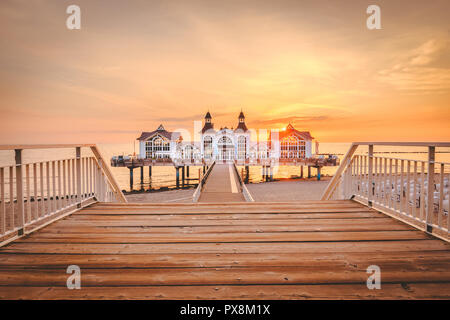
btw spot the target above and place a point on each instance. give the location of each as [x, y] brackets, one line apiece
[309, 249]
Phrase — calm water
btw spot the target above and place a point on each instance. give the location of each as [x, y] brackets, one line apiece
[165, 176]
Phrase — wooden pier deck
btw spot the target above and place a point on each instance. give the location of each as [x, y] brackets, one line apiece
[222, 185]
[310, 249]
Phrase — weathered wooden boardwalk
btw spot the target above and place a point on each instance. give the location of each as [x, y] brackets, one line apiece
[222, 185]
[310, 249]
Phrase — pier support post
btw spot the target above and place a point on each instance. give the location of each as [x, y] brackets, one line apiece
[131, 178]
[78, 168]
[187, 171]
[19, 192]
[182, 175]
[430, 195]
[247, 174]
[150, 178]
[370, 187]
[309, 172]
[142, 176]
[270, 173]
[204, 170]
[318, 173]
[301, 172]
[178, 177]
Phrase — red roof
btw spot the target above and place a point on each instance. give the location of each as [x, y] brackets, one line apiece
[162, 132]
[290, 130]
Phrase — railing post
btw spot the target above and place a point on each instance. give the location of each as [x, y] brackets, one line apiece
[370, 187]
[19, 192]
[78, 167]
[430, 195]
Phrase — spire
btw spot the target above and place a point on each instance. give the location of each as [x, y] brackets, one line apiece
[241, 126]
[241, 115]
[208, 125]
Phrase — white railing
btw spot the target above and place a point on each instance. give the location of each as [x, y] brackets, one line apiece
[34, 194]
[416, 191]
[202, 183]
[247, 195]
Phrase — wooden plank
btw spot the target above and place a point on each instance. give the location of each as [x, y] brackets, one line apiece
[334, 273]
[60, 261]
[227, 228]
[227, 237]
[261, 247]
[66, 223]
[264, 292]
[220, 216]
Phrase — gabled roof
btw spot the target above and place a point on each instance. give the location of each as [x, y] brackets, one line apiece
[290, 130]
[241, 127]
[160, 131]
[207, 127]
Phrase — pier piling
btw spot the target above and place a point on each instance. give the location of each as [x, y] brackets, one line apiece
[142, 175]
[318, 173]
[182, 175]
[301, 172]
[309, 172]
[247, 174]
[131, 178]
[177, 177]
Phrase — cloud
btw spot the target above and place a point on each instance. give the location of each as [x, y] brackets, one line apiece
[286, 120]
[418, 74]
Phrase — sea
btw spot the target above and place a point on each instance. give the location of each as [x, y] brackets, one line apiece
[165, 177]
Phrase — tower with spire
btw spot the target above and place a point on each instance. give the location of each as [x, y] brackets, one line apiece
[208, 125]
[241, 125]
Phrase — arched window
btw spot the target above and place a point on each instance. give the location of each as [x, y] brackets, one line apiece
[188, 152]
[292, 147]
[242, 147]
[155, 147]
[207, 147]
[226, 148]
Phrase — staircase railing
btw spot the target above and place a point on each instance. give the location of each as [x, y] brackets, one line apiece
[416, 191]
[33, 194]
[202, 182]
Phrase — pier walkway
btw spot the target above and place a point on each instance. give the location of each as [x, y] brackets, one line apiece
[302, 250]
[222, 185]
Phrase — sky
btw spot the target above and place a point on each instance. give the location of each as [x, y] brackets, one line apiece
[135, 64]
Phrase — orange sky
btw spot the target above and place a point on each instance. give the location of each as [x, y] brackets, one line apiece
[135, 64]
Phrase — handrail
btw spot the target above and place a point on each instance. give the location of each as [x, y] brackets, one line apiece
[44, 146]
[34, 194]
[334, 181]
[201, 183]
[415, 191]
[116, 189]
[404, 144]
[247, 195]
